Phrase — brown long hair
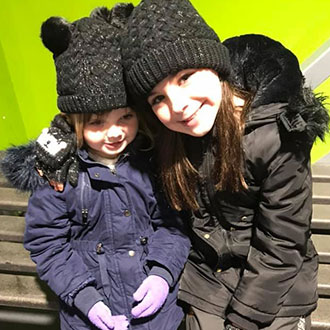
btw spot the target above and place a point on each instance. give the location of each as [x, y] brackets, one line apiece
[178, 175]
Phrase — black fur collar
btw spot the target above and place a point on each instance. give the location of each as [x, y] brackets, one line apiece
[272, 74]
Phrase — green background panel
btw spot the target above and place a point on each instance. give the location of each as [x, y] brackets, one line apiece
[27, 73]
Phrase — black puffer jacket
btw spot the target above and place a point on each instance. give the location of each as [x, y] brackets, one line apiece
[252, 257]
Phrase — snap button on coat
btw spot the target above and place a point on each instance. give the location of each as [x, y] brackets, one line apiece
[127, 213]
[99, 248]
[131, 253]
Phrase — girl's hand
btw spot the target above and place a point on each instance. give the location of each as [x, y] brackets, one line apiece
[120, 322]
[152, 294]
[100, 315]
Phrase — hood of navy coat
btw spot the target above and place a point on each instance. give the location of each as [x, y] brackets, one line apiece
[18, 166]
[271, 72]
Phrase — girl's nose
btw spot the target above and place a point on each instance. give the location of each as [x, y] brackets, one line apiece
[178, 100]
[114, 133]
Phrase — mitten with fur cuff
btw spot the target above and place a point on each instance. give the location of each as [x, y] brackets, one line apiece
[56, 152]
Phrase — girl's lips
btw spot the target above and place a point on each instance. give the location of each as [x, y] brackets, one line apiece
[189, 119]
[114, 145]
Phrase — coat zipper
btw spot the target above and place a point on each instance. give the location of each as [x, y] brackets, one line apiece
[113, 169]
[84, 210]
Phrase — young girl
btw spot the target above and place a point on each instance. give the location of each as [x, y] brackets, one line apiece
[242, 172]
[109, 247]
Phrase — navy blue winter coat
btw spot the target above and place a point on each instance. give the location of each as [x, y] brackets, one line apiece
[101, 239]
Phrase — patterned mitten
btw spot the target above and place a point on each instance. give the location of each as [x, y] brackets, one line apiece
[56, 152]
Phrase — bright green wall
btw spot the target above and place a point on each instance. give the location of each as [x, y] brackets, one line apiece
[300, 25]
[27, 74]
[11, 126]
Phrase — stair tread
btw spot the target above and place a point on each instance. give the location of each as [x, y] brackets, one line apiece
[14, 258]
[4, 182]
[321, 211]
[26, 292]
[323, 224]
[321, 188]
[11, 228]
[321, 168]
[324, 280]
[321, 316]
[12, 199]
[321, 243]
[322, 246]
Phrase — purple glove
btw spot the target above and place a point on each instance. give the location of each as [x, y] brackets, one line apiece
[152, 293]
[120, 322]
[100, 315]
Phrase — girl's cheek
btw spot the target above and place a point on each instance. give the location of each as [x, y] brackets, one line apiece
[93, 136]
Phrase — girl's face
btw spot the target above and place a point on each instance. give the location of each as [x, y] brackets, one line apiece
[108, 134]
[188, 102]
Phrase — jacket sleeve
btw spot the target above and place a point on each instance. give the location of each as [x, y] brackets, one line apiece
[47, 234]
[169, 247]
[279, 240]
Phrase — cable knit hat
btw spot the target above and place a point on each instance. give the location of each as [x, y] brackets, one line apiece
[164, 37]
[87, 60]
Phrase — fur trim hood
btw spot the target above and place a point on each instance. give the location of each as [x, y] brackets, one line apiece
[271, 72]
[18, 166]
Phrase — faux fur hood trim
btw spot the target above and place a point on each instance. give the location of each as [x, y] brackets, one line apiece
[18, 166]
[271, 72]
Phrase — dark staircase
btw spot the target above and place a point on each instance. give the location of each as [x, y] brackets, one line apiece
[321, 239]
[27, 303]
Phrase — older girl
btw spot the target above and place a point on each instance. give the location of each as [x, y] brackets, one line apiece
[237, 162]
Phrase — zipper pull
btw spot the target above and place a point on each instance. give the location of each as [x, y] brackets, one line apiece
[113, 169]
[84, 213]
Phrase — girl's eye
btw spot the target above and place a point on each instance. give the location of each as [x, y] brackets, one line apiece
[127, 116]
[156, 100]
[185, 76]
[95, 122]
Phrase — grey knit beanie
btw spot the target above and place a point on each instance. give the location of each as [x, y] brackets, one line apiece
[164, 37]
[88, 60]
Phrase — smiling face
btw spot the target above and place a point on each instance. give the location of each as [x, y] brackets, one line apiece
[188, 102]
[108, 134]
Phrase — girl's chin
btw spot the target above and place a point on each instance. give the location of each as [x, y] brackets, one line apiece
[196, 131]
[198, 134]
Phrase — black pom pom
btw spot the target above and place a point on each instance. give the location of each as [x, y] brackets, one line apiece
[55, 34]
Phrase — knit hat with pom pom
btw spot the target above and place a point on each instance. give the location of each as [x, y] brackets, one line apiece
[87, 60]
